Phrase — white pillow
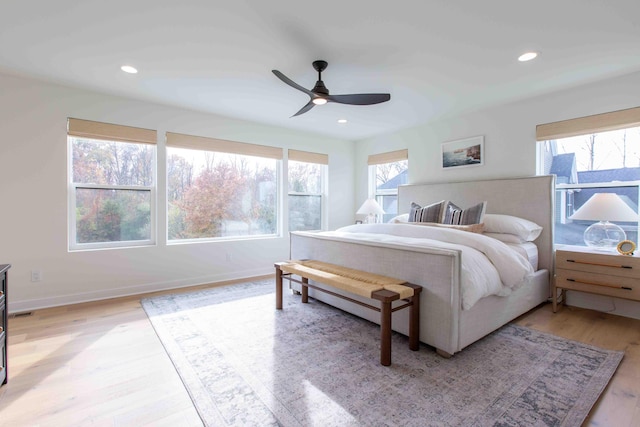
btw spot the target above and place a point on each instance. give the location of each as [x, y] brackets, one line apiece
[507, 224]
[504, 237]
[399, 218]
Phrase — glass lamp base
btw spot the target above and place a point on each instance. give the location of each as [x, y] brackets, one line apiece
[604, 236]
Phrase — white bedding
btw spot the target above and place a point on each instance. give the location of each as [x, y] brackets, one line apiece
[528, 250]
[488, 266]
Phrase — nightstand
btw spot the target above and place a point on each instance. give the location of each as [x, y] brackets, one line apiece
[604, 273]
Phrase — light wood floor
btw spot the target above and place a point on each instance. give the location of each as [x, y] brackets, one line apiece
[101, 364]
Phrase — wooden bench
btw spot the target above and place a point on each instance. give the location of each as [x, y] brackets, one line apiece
[373, 286]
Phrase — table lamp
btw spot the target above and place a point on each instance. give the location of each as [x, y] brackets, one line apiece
[605, 207]
[371, 208]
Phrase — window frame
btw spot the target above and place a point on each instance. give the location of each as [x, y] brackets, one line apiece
[374, 161]
[206, 144]
[310, 158]
[73, 245]
[584, 126]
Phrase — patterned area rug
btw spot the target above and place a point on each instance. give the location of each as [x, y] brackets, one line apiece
[244, 363]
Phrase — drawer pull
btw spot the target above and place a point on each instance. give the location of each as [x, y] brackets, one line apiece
[600, 264]
[626, 288]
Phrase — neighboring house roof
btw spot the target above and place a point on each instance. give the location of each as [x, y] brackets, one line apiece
[564, 168]
[401, 178]
[609, 175]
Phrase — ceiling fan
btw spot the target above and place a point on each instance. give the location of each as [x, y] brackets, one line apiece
[320, 94]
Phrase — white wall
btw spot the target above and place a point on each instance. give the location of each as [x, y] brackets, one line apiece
[33, 184]
[509, 143]
[33, 212]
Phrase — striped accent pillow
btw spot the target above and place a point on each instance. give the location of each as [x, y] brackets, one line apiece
[431, 213]
[473, 215]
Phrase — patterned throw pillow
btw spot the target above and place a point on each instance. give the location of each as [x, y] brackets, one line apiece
[473, 215]
[431, 213]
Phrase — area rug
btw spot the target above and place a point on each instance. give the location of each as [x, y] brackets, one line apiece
[246, 364]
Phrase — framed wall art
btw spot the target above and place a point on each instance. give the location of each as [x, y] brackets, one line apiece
[463, 152]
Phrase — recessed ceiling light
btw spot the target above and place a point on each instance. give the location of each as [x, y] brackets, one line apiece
[527, 56]
[129, 69]
[342, 121]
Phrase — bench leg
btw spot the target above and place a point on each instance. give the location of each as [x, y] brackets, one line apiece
[385, 333]
[305, 290]
[278, 287]
[414, 323]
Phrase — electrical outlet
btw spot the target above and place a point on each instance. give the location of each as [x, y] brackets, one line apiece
[229, 256]
[36, 275]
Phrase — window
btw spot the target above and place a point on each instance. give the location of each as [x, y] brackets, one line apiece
[220, 189]
[307, 174]
[111, 185]
[591, 155]
[386, 172]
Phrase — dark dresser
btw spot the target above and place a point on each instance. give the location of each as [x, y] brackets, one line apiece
[3, 322]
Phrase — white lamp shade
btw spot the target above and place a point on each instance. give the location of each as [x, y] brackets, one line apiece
[370, 207]
[605, 207]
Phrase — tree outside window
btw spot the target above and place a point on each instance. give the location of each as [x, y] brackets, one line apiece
[111, 193]
[220, 195]
[305, 195]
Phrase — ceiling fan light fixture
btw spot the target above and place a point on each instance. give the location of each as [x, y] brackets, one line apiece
[129, 69]
[527, 56]
[319, 101]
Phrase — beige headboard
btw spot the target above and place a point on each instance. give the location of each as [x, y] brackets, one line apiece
[531, 198]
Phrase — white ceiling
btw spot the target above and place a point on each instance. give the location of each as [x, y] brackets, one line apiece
[436, 58]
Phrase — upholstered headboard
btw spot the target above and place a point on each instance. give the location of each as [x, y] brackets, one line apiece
[531, 198]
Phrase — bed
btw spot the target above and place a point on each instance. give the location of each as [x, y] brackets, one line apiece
[448, 322]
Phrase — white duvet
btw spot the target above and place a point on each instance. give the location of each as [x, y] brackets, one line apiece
[488, 266]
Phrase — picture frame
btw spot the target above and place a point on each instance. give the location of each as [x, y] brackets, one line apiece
[463, 152]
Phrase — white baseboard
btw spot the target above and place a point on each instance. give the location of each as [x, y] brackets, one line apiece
[60, 300]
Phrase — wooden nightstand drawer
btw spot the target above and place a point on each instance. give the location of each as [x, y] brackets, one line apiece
[599, 263]
[596, 272]
[615, 286]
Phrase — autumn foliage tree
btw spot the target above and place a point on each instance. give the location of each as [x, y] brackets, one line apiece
[210, 200]
[224, 191]
[110, 214]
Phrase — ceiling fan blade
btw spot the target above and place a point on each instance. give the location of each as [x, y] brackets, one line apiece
[304, 109]
[291, 83]
[360, 98]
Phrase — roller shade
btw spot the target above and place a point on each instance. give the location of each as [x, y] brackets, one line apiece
[305, 156]
[180, 140]
[110, 132]
[390, 157]
[591, 124]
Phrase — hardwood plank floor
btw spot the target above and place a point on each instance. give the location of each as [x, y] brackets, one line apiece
[101, 364]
